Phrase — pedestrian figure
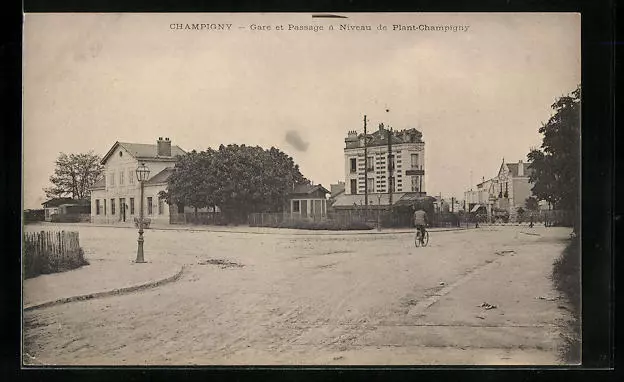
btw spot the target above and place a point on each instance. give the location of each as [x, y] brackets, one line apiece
[531, 221]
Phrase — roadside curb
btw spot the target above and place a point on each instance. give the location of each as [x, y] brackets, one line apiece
[284, 232]
[119, 291]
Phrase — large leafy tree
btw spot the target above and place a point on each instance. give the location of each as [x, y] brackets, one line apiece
[74, 175]
[556, 165]
[239, 179]
[186, 184]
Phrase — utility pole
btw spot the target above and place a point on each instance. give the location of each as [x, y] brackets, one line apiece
[440, 208]
[390, 165]
[365, 170]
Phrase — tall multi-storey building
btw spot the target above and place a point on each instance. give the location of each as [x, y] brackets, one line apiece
[396, 168]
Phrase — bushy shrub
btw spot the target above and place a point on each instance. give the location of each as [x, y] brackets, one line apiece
[329, 225]
[65, 218]
[32, 216]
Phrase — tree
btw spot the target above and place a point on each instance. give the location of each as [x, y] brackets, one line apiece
[531, 203]
[238, 179]
[186, 186]
[556, 165]
[74, 175]
[254, 179]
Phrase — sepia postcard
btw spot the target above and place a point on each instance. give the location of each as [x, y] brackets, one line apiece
[301, 189]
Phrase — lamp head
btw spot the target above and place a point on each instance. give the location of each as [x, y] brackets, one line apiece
[142, 172]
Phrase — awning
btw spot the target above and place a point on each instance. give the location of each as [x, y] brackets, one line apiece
[476, 207]
[412, 197]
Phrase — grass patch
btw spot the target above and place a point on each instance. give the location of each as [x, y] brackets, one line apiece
[566, 277]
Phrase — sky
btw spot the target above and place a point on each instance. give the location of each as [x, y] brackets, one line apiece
[478, 94]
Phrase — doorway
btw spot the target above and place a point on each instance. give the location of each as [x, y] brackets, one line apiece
[122, 206]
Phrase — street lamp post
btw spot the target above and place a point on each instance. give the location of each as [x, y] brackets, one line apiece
[142, 173]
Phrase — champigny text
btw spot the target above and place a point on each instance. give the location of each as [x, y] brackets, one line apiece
[201, 27]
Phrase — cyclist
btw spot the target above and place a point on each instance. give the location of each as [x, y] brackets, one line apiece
[420, 221]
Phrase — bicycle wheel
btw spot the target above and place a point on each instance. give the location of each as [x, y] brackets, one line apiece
[417, 241]
[425, 240]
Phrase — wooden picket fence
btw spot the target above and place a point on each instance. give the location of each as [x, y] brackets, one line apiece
[50, 252]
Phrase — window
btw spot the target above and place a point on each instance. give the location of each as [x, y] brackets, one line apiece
[371, 184]
[370, 165]
[149, 205]
[112, 178]
[104, 207]
[353, 164]
[121, 176]
[131, 206]
[296, 206]
[112, 206]
[414, 160]
[354, 186]
[131, 176]
[415, 182]
[161, 207]
[97, 206]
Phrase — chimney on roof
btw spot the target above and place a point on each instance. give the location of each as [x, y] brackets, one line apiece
[520, 168]
[163, 147]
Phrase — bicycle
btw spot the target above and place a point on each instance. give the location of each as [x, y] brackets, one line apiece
[420, 240]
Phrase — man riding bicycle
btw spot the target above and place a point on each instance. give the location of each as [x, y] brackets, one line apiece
[420, 221]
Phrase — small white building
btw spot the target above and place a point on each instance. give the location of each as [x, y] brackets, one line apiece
[116, 197]
[308, 201]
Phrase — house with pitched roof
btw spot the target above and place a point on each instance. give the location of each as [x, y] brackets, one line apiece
[116, 197]
[507, 191]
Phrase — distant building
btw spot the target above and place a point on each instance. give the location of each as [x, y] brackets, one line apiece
[116, 197]
[507, 191]
[59, 206]
[406, 163]
[337, 189]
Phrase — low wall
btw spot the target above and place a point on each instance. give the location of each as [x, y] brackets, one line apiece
[70, 218]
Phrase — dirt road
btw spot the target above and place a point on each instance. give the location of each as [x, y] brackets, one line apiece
[317, 299]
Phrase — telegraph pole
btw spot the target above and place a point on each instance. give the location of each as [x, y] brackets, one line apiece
[390, 162]
[365, 171]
